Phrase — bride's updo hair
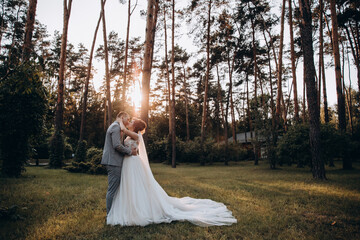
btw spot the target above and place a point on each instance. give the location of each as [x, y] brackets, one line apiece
[139, 125]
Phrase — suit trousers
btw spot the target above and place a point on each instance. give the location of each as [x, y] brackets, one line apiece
[114, 177]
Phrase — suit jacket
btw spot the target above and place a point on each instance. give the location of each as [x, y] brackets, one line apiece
[114, 150]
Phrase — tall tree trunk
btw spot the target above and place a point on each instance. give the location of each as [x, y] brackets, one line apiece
[304, 97]
[279, 72]
[29, 28]
[173, 136]
[339, 88]
[217, 104]
[272, 105]
[355, 52]
[57, 142]
[88, 75]
[350, 98]
[293, 68]
[168, 78]
[321, 63]
[256, 145]
[336, 52]
[107, 72]
[127, 50]
[248, 105]
[147, 64]
[60, 98]
[186, 108]
[233, 123]
[204, 113]
[318, 168]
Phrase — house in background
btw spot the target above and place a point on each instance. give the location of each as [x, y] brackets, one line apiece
[247, 139]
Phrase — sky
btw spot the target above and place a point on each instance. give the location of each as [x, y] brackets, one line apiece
[85, 14]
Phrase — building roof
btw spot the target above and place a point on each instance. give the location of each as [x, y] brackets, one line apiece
[246, 137]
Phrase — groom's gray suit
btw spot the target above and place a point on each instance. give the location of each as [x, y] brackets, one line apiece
[113, 156]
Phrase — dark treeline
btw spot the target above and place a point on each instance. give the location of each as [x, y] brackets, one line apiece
[235, 98]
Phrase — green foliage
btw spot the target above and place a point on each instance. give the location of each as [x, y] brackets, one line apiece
[91, 163]
[57, 149]
[68, 150]
[190, 151]
[91, 152]
[22, 108]
[80, 154]
[294, 146]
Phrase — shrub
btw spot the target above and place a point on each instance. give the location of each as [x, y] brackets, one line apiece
[191, 152]
[57, 148]
[294, 146]
[68, 150]
[80, 154]
[91, 152]
[91, 164]
[157, 150]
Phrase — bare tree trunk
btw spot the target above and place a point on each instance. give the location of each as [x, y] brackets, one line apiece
[318, 168]
[248, 104]
[321, 63]
[231, 67]
[279, 79]
[168, 77]
[29, 28]
[105, 118]
[218, 102]
[107, 73]
[339, 89]
[173, 136]
[304, 97]
[355, 53]
[272, 105]
[127, 49]
[148, 54]
[293, 68]
[204, 113]
[60, 98]
[88, 75]
[186, 108]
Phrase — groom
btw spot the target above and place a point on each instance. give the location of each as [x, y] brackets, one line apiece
[113, 155]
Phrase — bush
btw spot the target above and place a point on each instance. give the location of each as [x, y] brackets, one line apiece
[68, 150]
[191, 152]
[157, 150]
[80, 154]
[57, 149]
[294, 146]
[91, 152]
[91, 164]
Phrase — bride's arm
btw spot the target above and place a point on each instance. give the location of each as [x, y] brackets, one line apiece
[131, 134]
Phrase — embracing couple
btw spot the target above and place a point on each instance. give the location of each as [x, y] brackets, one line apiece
[134, 197]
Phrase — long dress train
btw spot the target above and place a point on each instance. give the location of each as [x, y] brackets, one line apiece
[140, 200]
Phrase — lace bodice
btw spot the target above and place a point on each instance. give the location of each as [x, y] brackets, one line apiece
[131, 143]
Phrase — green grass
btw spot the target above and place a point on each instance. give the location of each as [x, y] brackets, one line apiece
[269, 204]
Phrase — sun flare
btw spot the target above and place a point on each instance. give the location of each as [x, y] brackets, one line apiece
[135, 94]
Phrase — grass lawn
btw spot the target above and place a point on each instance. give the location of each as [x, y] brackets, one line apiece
[269, 204]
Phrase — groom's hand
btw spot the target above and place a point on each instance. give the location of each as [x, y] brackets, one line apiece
[122, 126]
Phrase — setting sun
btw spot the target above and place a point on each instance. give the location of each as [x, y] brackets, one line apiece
[135, 94]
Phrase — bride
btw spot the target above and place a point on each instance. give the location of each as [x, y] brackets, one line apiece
[140, 200]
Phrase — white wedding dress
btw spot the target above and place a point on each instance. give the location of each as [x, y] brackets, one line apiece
[140, 200]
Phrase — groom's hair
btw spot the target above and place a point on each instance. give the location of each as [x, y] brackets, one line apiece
[122, 114]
